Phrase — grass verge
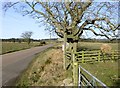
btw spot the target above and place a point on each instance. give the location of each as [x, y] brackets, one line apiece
[8, 47]
[45, 70]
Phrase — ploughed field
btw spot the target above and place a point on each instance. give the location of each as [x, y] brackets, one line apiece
[8, 47]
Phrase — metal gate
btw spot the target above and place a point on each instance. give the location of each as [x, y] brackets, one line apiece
[86, 79]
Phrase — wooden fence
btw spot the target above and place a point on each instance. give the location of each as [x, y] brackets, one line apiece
[97, 55]
[74, 58]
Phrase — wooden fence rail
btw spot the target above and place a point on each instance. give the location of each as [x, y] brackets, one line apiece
[91, 56]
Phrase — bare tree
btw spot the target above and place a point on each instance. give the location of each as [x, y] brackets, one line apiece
[26, 36]
[101, 18]
[71, 19]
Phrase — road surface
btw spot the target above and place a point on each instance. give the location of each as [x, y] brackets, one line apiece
[15, 63]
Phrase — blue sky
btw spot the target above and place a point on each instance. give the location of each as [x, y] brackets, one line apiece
[14, 24]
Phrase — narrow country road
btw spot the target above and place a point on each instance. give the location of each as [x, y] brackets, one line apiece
[15, 63]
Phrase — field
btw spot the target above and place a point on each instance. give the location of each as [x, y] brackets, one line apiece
[47, 68]
[107, 72]
[95, 46]
[8, 47]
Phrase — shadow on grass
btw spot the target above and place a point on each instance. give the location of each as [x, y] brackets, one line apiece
[57, 47]
[116, 84]
[82, 48]
[117, 81]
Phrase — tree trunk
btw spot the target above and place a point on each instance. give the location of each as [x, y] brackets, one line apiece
[75, 46]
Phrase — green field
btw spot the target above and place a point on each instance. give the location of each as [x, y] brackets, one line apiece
[95, 46]
[107, 71]
[8, 47]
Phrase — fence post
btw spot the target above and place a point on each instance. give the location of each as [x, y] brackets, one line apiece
[104, 55]
[99, 56]
[83, 57]
[64, 52]
[75, 73]
[112, 54]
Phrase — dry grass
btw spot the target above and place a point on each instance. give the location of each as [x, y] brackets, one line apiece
[46, 70]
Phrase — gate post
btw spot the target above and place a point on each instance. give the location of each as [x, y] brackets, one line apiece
[64, 52]
[75, 73]
[75, 64]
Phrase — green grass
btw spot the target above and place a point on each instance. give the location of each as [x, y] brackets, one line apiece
[95, 46]
[8, 47]
[107, 71]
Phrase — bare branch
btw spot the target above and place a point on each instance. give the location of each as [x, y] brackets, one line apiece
[74, 17]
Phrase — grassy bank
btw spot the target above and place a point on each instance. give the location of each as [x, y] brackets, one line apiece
[45, 70]
[8, 47]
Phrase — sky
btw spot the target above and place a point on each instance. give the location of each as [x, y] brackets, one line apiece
[13, 24]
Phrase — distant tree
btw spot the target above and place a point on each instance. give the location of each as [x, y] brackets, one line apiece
[13, 40]
[19, 40]
[72, 17]
[27, 36]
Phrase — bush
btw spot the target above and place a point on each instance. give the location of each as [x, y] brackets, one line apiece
[42, 42]
[106, 48]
